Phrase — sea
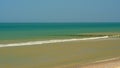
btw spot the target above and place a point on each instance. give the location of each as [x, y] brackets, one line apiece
[43, 31]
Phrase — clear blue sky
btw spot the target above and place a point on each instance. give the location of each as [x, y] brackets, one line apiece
[59, 10]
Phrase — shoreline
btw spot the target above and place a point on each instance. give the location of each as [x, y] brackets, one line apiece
[50, 41]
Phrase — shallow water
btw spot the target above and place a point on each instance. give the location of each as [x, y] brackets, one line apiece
[27, 31]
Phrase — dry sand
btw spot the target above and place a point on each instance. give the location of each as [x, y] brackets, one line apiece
[106, 64]
[115, 63]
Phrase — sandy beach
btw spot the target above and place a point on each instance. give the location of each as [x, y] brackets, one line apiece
[59, 54]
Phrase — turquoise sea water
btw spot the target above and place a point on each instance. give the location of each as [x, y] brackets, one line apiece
[22, 31]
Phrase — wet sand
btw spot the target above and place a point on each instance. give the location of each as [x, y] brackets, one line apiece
[59, 54]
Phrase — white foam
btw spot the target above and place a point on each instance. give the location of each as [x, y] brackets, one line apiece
[48, 41]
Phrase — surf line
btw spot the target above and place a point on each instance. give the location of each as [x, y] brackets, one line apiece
[49, 41]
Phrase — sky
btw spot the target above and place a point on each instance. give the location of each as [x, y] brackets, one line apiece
[59, 10]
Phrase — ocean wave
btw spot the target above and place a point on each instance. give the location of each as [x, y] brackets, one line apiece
[49, 41]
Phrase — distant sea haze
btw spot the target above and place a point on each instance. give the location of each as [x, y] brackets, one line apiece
[20, 31]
